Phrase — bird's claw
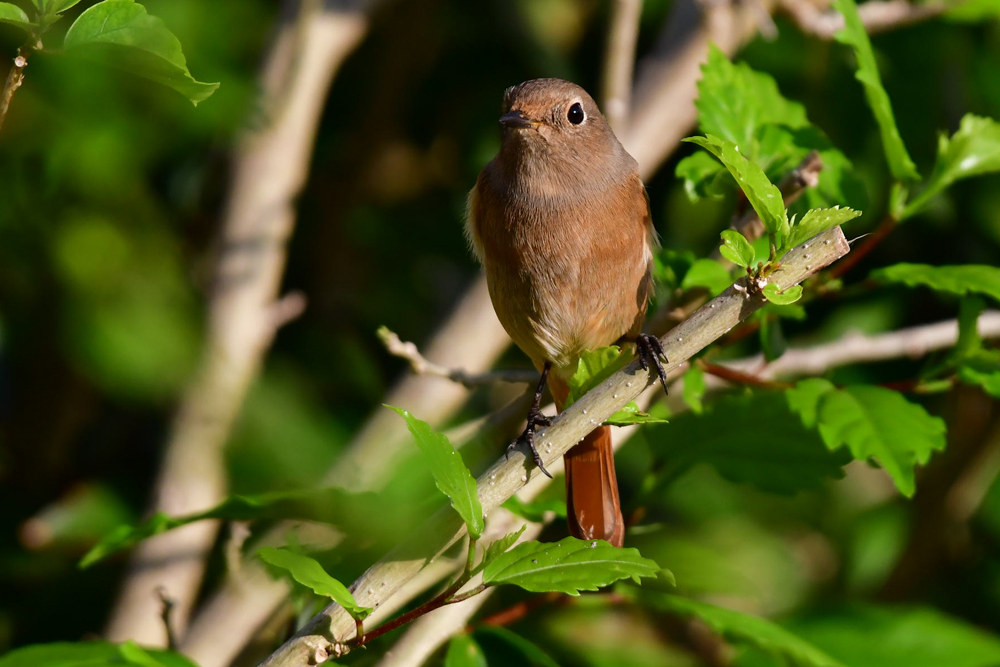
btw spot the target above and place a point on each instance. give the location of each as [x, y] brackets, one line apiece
[535, 419]
[650, 351]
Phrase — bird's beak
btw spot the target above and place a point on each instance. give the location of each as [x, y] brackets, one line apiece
[517, 118]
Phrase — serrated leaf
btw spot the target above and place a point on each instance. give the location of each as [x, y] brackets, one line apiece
[15, 16]
[754, 439]
[763, 195]
[854, 35]
[961, 279]
[746, 629]
[973, 150]
[308, 572]
[463, 651]
[805, 396]
[709, 274]
[816, 221]
[782, 297]
[530, 652]
[453, 478]
[874, 422]
[536, 509]
[700, 173]
[989, 380]
[567, 566]
[593, 367]
[694, 389]
[736, 248]
[91, 654]
[631, 414]
[356, 512]
[498, 547]
[121, 34]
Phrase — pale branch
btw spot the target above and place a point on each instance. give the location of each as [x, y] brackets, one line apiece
[326, 633]
[269, 171]
[619, 62]
[423, 366]
[877, 15]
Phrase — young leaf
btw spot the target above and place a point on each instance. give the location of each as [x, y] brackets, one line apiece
[308, 572]
[59, 6]
[782, 297]
[694, 389]
[973, 150]
[567, 566]
[854, 34]
[452, 477]
[700, 173]
[805, 396]
[121, 34]
[961, 279]
[15, 16]
[498, 547]
[593, 367]
[736, 248]
[536, 509]
[745, 629]
[987, 379]
[631, 414]
[91, 654]
[707, 273]
[874, 422]
[817, 221]
[763, 195]
[463, 651]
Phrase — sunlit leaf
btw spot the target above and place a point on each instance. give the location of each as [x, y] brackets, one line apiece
[15, 16]
[568, 566]
[452, 477]
[960, 279]
[595, 366]
[817, 221]
[736, 248]
[308, 572]
[694, 389]
[463, 651]
[707, 273]
[499, 546]
[782, 297]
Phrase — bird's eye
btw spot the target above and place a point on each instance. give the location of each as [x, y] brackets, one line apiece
[575, 114]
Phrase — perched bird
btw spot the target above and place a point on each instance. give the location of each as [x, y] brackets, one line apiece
[560, 221]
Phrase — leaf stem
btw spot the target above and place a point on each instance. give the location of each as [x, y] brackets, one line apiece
[14, 80]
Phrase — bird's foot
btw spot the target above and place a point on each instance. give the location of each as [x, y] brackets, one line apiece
[535, 419]
[650, 352]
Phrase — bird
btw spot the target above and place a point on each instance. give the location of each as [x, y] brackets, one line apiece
[560, 221]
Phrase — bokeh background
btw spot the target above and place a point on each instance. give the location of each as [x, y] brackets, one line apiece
[110, 196]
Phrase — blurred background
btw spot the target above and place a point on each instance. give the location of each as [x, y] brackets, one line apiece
[111, 195]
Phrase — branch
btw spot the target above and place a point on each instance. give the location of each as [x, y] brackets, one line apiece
[269, 172]
[423, 366]
[877, 15]
[619, 62]
[327, 632]
[14, 80]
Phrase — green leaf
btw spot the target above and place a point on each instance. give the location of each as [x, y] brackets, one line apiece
[308, 572]
[530, 652]
[969, 342]
[59, 6]
[746, 629]
[816, 221]
[973, 150]
[754, 439]
[91, 654]
[899, 636]
[631, 414]
[854, 34]
[805, 396]
[567, 566]
[874, 422]
[782, 297]
[700, 173]
[694, 389]
[594, 367]
[707, 273]
[15, 16]
[120, 33]
[463, 651]
[498, 547]
[359, 513]
[452, 477]
[763, 195]
[961, 280]
[736, 248]
[772, 337]
[536, 509]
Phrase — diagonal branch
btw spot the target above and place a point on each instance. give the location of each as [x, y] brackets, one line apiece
[619, 61]
[323, 637]
[877, 15]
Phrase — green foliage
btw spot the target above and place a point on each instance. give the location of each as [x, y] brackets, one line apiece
[452, 477]
[872, 422]
[536, 510]
[736, 248]
[707, 273]
[782, 297]
[818, 221]
[498, 547]
[961, 280]
[694, 389]
[463, 651]
[308, 572]
[530, 652]
[120, 33]
[92, 654]
[15, 16]
[568, 566]
[972, 151]
[754, 439]
[854, 35]
[594, 367]
[746, 629]
[763, 195]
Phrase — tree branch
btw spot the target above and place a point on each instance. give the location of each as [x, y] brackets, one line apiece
[877, 15]
[619, 62]
[14, 80]
[327, 632]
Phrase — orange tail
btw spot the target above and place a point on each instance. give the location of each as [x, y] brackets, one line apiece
[594, 511]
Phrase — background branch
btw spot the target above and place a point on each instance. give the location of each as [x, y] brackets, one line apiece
[877, 15]
[619, 62]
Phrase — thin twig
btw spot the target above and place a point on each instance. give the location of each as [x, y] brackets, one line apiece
[877, 15]
[739, 377]
[869, 243]
[619, 62]
[14, 80]
[166, 608]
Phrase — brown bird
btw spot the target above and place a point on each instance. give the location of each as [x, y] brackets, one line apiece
[560, 221]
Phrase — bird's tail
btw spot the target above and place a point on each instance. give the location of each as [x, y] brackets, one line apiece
[593, 508]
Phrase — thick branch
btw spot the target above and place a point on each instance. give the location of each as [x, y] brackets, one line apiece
[325, 634]
[619, 61]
